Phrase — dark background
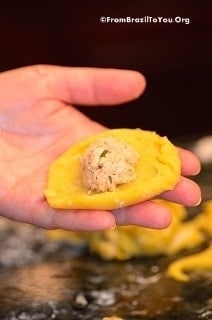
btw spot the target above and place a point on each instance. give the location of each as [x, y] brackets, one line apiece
[175, 58]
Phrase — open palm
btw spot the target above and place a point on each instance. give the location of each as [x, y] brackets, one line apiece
[38, 123]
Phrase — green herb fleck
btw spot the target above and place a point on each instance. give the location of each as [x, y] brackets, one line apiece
[110, 178]
[103, 154]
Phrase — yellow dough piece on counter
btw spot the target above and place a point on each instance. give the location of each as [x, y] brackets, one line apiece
[112, 318]
[194, 262]
[147, 165]
[126, 242]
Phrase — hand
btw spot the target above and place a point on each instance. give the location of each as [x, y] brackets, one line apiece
[38, 122]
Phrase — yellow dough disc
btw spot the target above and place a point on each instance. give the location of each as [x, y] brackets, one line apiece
[156, 170]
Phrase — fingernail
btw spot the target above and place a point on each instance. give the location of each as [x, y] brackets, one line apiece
[197, 171]
[112, 228]
[198, 202]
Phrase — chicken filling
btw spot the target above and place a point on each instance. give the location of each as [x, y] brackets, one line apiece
[107, 163]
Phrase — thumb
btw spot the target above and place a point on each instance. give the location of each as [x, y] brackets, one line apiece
[80, 86]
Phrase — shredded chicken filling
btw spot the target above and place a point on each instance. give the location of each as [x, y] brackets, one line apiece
[107, 163]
